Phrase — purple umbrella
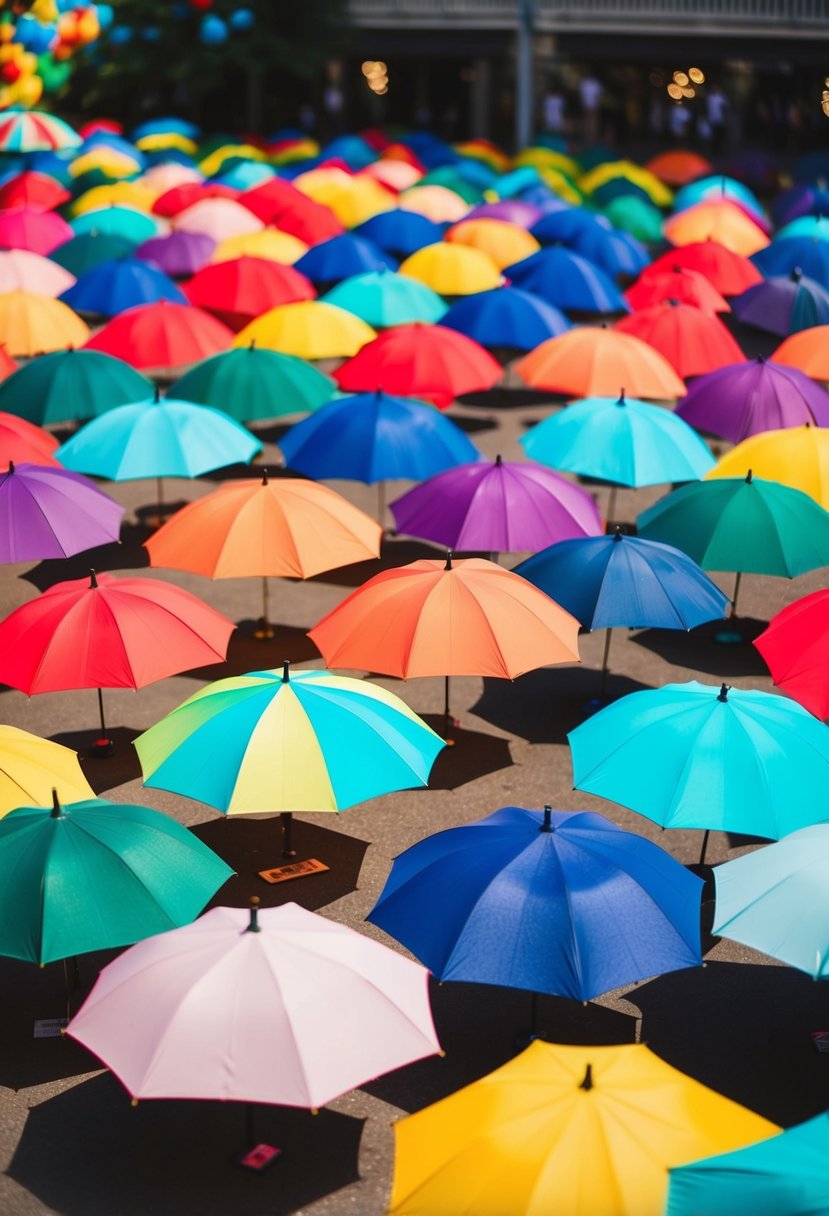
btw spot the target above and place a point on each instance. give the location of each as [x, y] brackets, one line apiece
[498, 508]
[746, 398]
[800, 199]
[179, 254]
[49, 512]
[512, 210]
[784, 304]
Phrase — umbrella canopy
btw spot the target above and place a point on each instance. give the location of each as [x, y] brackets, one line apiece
[622, 440]
[71, 385]
[184, 194]
[218, 218]
[796, 457]
[806, 351]
[580, 1130]
[437, 203]
[637, 216]
[401, 232]
[729, 272]
[720, 221]
[743, 524]
[502, 241]
[795, 648]
[423, 361]
[22, 441]
[680, 284]
[243, 288]
[271, 244]
[567, 281]
[250, 384]
[112, 287]
[506, 318]
[382, 298]
[784, 304]
[271, 741]
[343, 256]
[32, 230]
[692, 341]
[50, 512]
[785, 1176]
[700, 756]
[808, 225]
[84, 252]
[21, 270]
[31, 768]
[162, 335]
[35, 131]
[94, 875]
[455, 618]
[309, 329]
[808, 254]
[500, 507]
[750, 397]
[35, 325]
[589, 362]
[716, 189]
[118, 220]
[177, 254]
[542, 901]
[678, 166]
[604, 581]
[775, 900]
[271, 991]
[374, 437]
[452, 269]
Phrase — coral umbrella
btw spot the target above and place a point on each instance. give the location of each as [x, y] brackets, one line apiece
[692, 341]
[71, 385]
[723, 222]
[35, 231]
[424, 361]
[506, 319]
[162, 335]
[22, 441]
[808, 351]
[179, 253]
[37, 191]
[678, 166]
[796, 457]
[35, 325]
[452, 269]
[784, 304]
[589, 362]
[309, 329]
[21, 270]
[108, 632]
[241, 289]
[306, 223]
[795, 648]
[437, 203]
[749, 397]
[113, 287]
[729, 272]
[680, 284]
[32, 768]
[249, 384]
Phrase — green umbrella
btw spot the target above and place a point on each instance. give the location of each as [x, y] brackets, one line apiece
[449, 177]
[382, 298]
[249, 384]
[94, 875]
[98, 177]
[116, 220]
[71, 385]
[89, 250]
[637, 216]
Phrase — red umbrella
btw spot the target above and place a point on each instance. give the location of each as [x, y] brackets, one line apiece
[37, 231]
[426, 361]
[243, 288]
[270, 198]
[37, 191]
[108, 632]
[680, 284]
[795, 647]
[177, 199]
[729, 272]
[281, 204]
[23, 441]
[162, 335]
[693, 342]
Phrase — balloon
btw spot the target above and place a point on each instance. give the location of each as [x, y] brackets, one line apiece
[212, 31]
[242, 19]
[88, 26]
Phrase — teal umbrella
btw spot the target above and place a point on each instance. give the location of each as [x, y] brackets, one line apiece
[785, 1176]
[250, 384]
[637, 216]
[115, 220]
[776, 900]
[698, 756]
[89, 250]
[93, 875]
[71, 386]
[382, 299]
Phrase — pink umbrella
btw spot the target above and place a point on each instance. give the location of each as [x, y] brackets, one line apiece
[38, 231]
[22, 270]
[279, 1006]
[219, 218]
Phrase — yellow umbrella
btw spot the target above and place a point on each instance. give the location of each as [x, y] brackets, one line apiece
[486, 151]
[129, 194]
[581, 1131]
[270, 243]
[452, 269]
[31, 767]
[547, 158]
[298, 149]
[212, 164]
[36, 325]
[310, 329]
[561, 185]
[167, 139]
[505, 243]
[353, 199]
[657, 191]
[797, 457]
[721, 221]
[107, 160]
[437, 203]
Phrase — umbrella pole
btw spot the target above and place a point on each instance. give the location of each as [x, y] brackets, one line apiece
[288, 849]
[611, 505]
[732, 636]
[447, 716]
[603, 684]
[704, 847]
[159, 487]
[381, 504]
[103, 746]
[265, 631]
[736, 593]
[534, 1015]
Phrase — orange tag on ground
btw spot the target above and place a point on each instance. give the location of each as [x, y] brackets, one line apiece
[296, 869]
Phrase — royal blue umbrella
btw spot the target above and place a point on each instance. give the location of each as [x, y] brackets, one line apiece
[561, 903]
[400, 232]
[593, 237]
[341, 257]
[808, 254]
[112, 287]
[352, 149]
[567, 281]
[782, 304]
[506, 318]
[564, 226]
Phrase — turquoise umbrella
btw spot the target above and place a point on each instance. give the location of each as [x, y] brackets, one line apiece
[125, 222]
[382, 298]
[250, 383]
[816, 227]
[776, 900]
[714, 190]
[71, 386]
[697, 756]
[785, 1176]
[90, 249]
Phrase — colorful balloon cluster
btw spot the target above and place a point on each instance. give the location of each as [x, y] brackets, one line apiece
[37, 42]
[213, 29]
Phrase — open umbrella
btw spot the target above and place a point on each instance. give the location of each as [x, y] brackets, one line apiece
[729, 272]
[118, 220]
[342, 257]
[452, 269]
[36, 325]
[678, 166]
[272, 980]
[382, 298]
[21, 270]
[218, 218]
[587, 362]
[504, 242]
[677, 283]
[784, 304]
[112, 287]
[797, 457]
[795, 648]
[564, 903]
[36, 231]
[722, 221]
[749, 397]
[182, 195]
[22, 441]
[249, 384]
[35, 130]
[506, 318]
[71, 385]
[243, 288]
[162, 335]
[271, 244]
[401, 232]
[177, 254]
[310, 329]
[83, 252]
[806, 351]
[808, 254]
[50, 512]
[567, 281]
[580, 1130]
[692, 341]
[31, 768]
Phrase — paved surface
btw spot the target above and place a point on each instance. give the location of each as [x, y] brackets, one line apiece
[69, 1140]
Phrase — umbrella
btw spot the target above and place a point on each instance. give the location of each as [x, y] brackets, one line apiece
[797, 457]
[183, 194]
[544, 902]
[343, 256]
[401, 232]
[93, 875]
[567, 281]
[21, 270]
[795, 650]
[452, 269]
[784, 304]
[808, 254]
[593, 238]
[84, 252]
[287, 527]
[784, 1176]
[500, 507]
[250, 384]
[749, 397]
[271, 992]
[437, 203]
[692, 341]
[512, 210]
[698, 756]
[589, 362]
[112, 287]
[177, 254]
[50, 512]
[30, 768]
[271, 244]
[678, 166]
[35, 231]
[716, 189]
[34, 325]
[241, 289]
[722, 221]
[504, 242]
[108, 632]
[22, 441]
[33, 131]
[680, 284]
[808, 225]
[637, 216]
[71, 385]
[729, 272]
[506, 318]
[162, 335]
[424, 361]
[581, 1130]
[309, 329]
[118, 220]
[605, 581]
[775, 900]
[382, 298]
[806, 351]
[130, 193]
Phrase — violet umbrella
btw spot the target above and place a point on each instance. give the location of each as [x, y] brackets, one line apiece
[179, 254]
[744, 399]
[504, 507]
[513, 210]
[50, 512]
[784, 304]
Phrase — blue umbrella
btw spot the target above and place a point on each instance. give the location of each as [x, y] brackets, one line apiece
[111, 287]
[560, 903]
[341, 257]
[506, 318]
[592, 237]
[352, 149]
[806, 253]
[567, 281]
[784, 304]
[564, 225]
[808, 225]
[429, 150]
[244, 175]
[400, 232]
[382, 299]
[799, 200]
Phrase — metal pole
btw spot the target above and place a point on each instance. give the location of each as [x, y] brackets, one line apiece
[611, 505]
[736, 593]
[381, 504]
[704, 847]
[265, 631]
[603, 685]
[524, 82]
[288, 849]
[160, 495]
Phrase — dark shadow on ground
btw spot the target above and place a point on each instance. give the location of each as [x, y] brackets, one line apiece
[129, 554]
[753, 342]
[248, 653]
[472, 755]
[395, 551]
[104, 772]
[170, 1158]
[474, 425]
[511, 395]
[698, 651]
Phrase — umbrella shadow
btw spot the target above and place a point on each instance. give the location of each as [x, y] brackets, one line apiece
[473, 755]
[395, 551]
[251, 845]
[246, 652]
[743, 1029]
[698, 650]
[754, 343]
[127, 554]
[510, 396]
[87, 1152]
[104, 772]
[473, 425]
[481, 1026]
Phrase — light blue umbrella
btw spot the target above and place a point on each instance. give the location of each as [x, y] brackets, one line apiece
[776, 900]
[382, 299]
[816, 226]
[126, 222]
[714, 190]
[785, 1176]
[697, 756]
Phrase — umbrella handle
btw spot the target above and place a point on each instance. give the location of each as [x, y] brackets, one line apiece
[103, 746]
[287, 834]
[447, 716]
[265, 630]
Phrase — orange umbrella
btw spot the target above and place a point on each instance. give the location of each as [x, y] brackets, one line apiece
[602, 362]
[679, 166]
[504, 242]
[437, 203]
[808, 351]
[721, 221]
[290, 528]
[693, 342]
[433, 618]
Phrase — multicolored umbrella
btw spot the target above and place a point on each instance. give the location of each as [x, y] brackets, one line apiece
[50, 512]
[795, 648]
[588, 362]
[747, 398]
[34, 131]
[692, 341]
[31, 768]
[162, 335]
[250, 384]
[309, 329]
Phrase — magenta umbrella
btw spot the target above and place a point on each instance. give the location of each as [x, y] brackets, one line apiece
[503, 507]
[746, 398]
[50, 512]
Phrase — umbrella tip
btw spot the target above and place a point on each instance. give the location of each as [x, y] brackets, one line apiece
[587, 1083]
[621, 398]
[253, 925]
[57, 811]
[723, 694]
[796, 275]
[547, 825]
[11, 466]
[617, 535]
[748, 477]
[157, 397]
[498, 460]
[448, 565]
[264, 477]
[252, 344]
[93, 578]
[286, 669]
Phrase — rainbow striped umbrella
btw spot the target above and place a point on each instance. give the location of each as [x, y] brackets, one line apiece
[34, 131]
